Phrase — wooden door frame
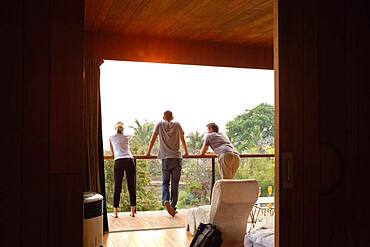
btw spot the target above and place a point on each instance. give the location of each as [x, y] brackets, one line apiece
[277, 155]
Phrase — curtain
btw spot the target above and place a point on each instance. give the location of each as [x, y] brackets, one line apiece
[94, 179]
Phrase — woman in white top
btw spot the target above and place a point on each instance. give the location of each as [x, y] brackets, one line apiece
[123, 162]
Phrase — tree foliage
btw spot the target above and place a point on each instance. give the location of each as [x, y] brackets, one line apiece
[196, 175]
[195, 141]
[253, 128]
[141, 137]
[261, 169]
[253, 132]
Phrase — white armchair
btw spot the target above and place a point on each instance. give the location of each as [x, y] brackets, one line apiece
[232, 201]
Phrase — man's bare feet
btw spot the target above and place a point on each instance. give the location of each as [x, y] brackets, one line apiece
[133, 211]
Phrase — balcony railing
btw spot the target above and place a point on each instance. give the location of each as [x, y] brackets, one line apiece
[242, 173]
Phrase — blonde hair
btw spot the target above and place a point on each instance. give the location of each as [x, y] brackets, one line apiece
[119, 127]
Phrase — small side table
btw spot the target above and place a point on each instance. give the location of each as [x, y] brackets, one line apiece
[263, 207]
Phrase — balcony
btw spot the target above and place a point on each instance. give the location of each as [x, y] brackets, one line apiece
[198, 176]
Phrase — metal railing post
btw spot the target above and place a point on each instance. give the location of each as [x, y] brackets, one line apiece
[213, 175]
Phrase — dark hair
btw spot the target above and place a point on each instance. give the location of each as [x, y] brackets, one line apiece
[213, 127]
[167, 115]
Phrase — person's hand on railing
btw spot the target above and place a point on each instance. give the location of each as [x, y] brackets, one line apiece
[186, 154]
[147, 153]
[208, 152]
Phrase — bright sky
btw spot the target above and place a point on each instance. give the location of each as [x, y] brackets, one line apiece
[196, 95]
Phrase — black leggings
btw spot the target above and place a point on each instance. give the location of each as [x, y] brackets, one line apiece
[120, 166]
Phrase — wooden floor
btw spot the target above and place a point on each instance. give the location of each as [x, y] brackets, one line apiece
[145, 220]
[178, 237]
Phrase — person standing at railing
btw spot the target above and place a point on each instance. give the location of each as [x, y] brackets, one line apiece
[228, 157]
[170, 135]
[123, 162]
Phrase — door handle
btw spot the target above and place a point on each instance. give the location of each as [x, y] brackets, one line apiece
[287, 169]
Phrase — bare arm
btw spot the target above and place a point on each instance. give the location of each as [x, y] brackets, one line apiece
[204, 149]
[183, 142]
[151, 143]
[111, 147]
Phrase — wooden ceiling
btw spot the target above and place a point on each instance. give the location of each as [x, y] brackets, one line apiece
[248, 22]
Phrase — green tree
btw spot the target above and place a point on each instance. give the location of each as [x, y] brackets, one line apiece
[253, 132]
[141, 137]
[253, 128]
[261, 169]
[196, 175]
[194, 141]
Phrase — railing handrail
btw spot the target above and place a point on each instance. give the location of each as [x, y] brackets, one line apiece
[195, 156]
